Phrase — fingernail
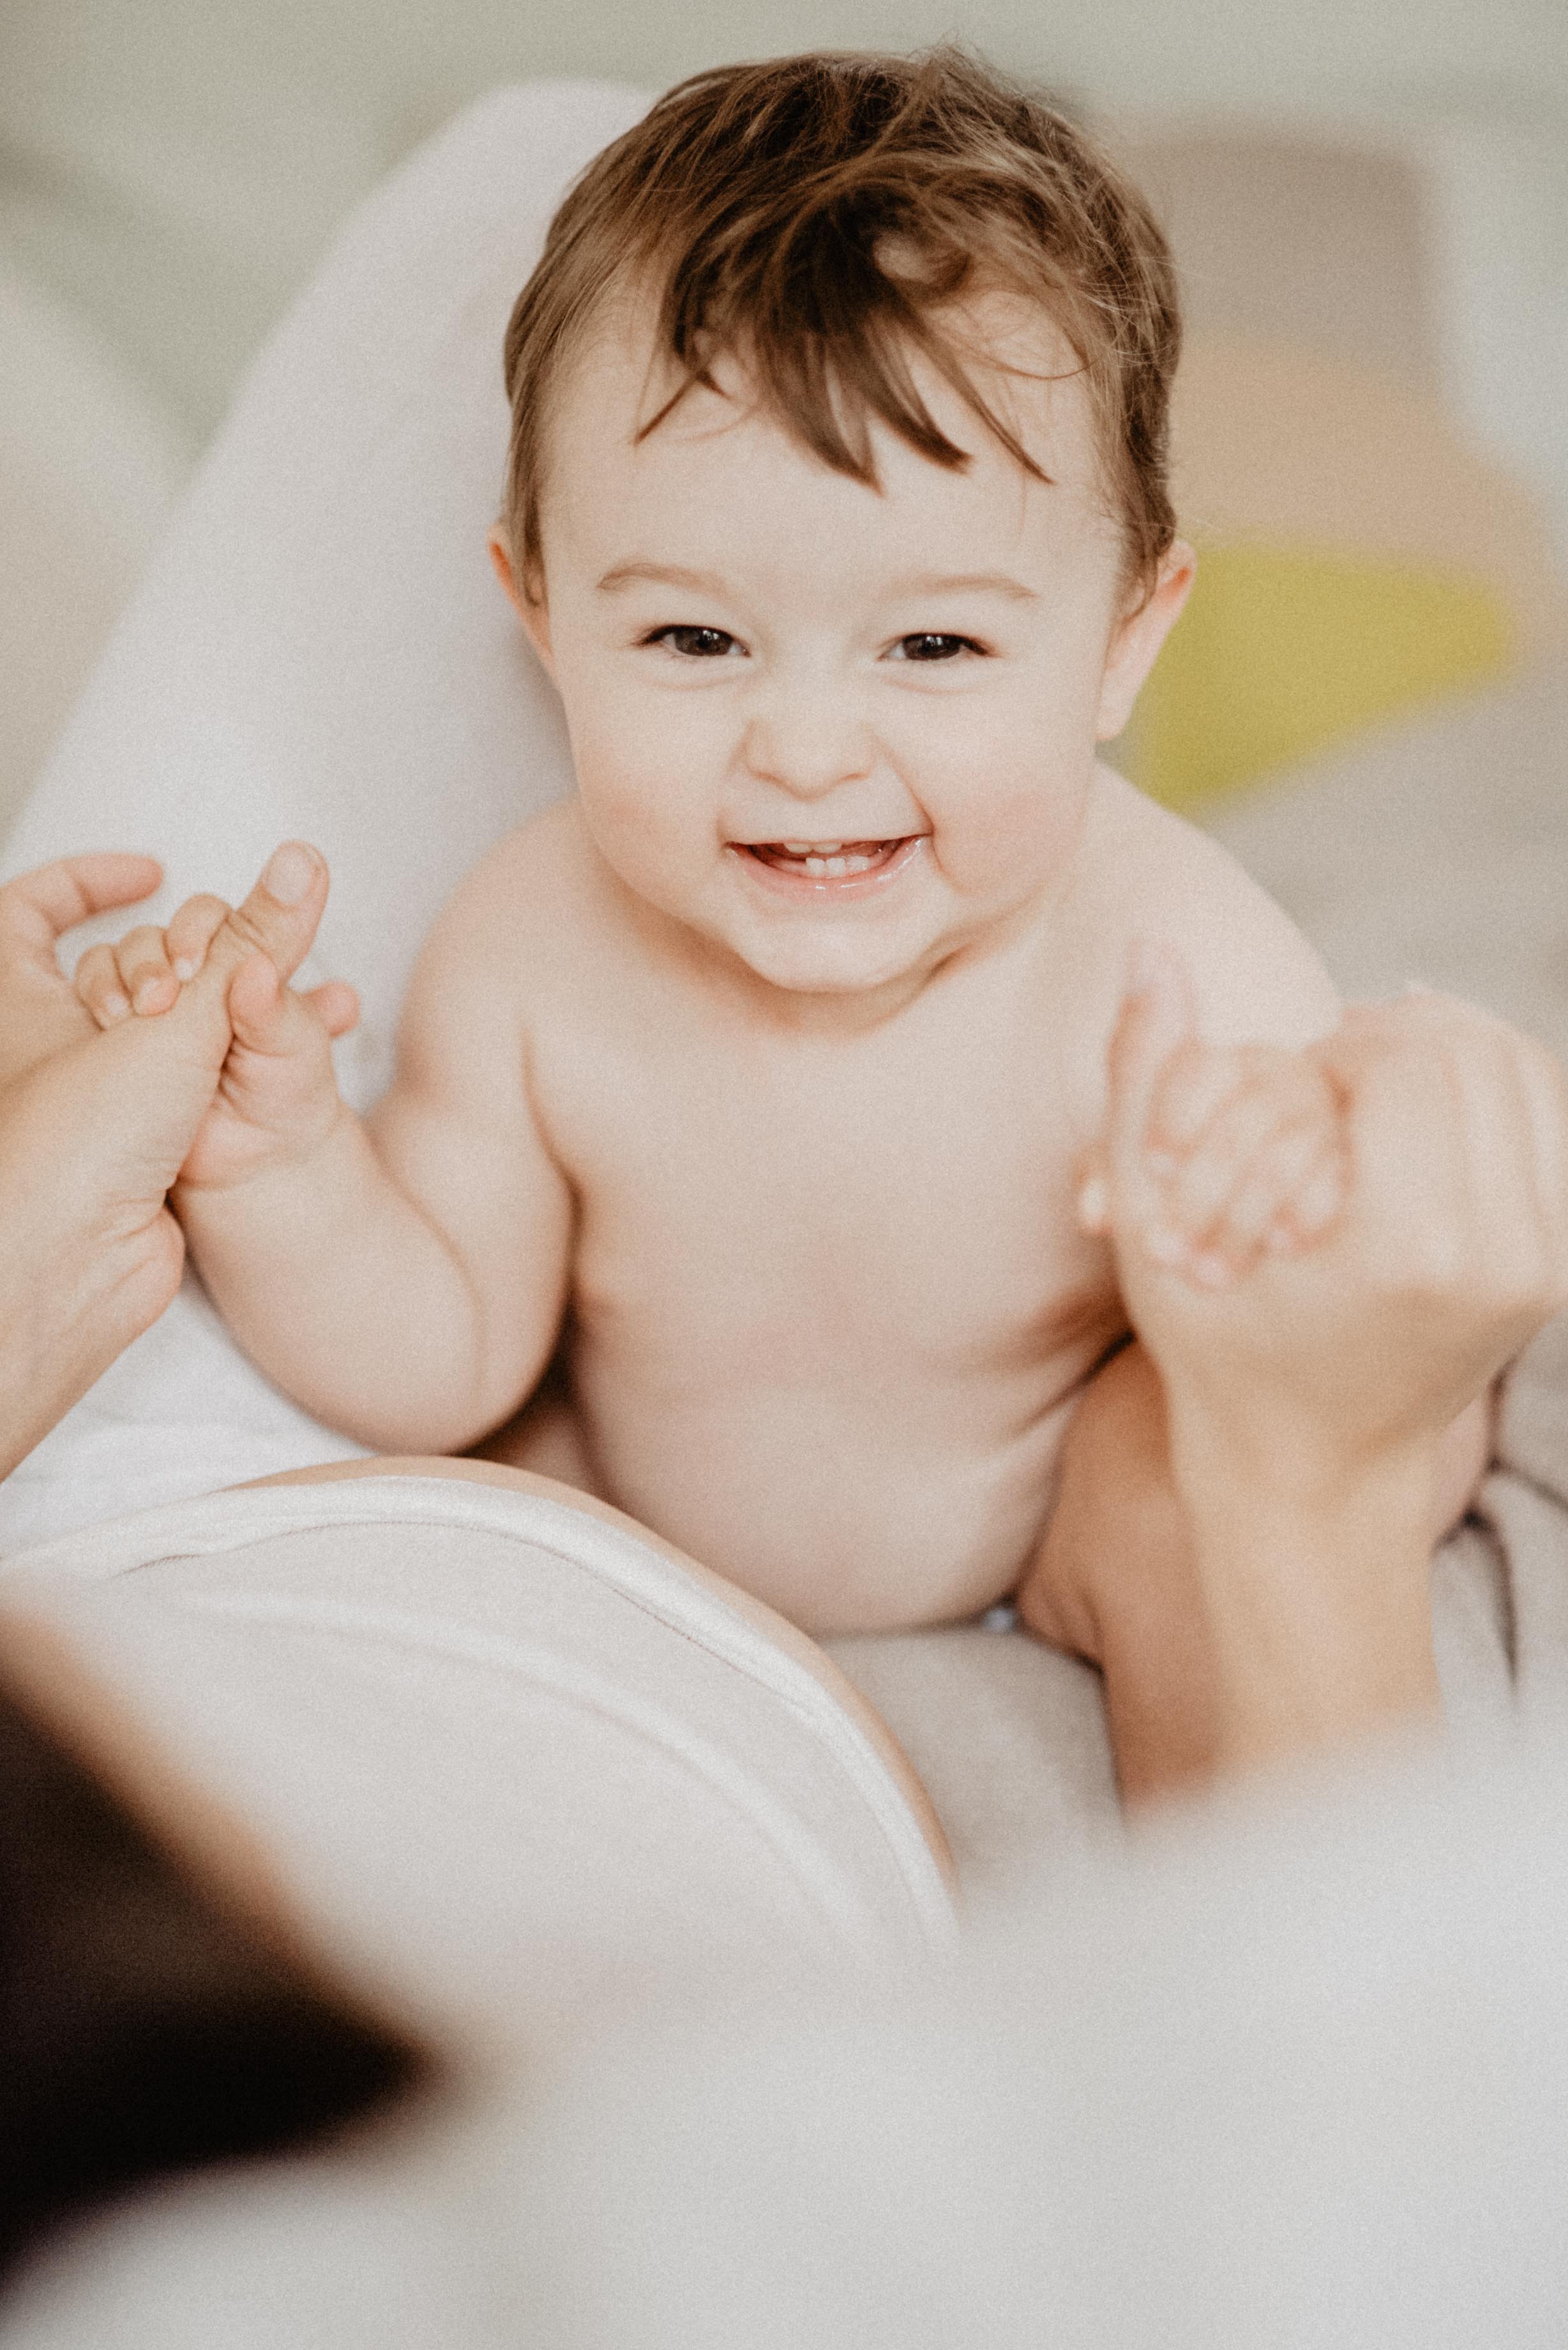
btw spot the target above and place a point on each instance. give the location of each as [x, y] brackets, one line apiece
[1165, 1247]
[1211, 1272]
[147, 994]
[289, 874]
[115, 1006]
[183, 969]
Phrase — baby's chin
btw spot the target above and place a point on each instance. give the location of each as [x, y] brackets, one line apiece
[862, 974]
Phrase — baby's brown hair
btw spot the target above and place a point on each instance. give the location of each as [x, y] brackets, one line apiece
[811, 216]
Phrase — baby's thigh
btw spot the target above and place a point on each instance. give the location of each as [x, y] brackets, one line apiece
[1115, 1518]
[545, 1438]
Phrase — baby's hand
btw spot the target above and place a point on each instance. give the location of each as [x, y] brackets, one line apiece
[277, 1095]
[1423, 1244]
[1245, 1157]
[145, 971]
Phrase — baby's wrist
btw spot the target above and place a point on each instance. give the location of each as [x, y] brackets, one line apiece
[280, 1161]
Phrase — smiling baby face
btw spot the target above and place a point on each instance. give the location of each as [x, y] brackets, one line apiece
[839, 731]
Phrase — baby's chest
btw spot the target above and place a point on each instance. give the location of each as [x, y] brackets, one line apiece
[788, 1217]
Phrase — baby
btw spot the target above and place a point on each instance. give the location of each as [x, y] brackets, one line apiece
[744, 1100]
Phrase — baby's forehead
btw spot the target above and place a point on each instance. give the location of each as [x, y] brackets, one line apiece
[624, 389]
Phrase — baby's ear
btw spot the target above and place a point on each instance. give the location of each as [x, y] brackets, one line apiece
[531, 610]
[1138, 637]
[501, 563]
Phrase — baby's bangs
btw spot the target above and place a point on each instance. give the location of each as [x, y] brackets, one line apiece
[825, 307]
[826, 222]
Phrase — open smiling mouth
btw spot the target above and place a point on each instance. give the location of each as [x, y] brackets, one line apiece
[829, 861]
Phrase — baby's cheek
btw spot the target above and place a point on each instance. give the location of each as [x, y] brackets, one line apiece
[1017, 830]
[647, 814]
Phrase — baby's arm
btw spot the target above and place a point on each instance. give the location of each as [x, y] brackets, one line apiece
[402, 1277]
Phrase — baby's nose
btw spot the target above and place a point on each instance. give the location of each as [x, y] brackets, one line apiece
[808, 746]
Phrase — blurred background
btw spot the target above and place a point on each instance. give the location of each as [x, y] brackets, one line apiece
[1370, 205]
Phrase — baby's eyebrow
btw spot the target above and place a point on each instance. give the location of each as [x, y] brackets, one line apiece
[661, 575]
[707, 583]
[992, 583]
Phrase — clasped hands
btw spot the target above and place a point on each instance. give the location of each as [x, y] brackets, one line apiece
[97, 1123]
[1329, 1253]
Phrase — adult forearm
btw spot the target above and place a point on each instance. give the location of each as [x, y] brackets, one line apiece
[1316, 1603]
[347, 1296]
[1239, 1615]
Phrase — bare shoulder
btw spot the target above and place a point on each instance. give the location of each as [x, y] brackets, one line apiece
[1148, 874]
[522, 914]
[543, 865]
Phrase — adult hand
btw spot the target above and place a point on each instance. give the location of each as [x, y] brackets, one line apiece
[39, 1014]
[95, 1125]
[1449, 1250]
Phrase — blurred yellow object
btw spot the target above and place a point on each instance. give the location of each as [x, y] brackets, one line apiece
[1285, 650]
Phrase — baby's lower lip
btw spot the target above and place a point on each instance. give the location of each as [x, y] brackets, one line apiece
[853, 866]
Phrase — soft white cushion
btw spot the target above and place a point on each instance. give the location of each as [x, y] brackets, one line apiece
[320, 649]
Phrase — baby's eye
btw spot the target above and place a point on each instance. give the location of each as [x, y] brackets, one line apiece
[697, 644]
[931, 645]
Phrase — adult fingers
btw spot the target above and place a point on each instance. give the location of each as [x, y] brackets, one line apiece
[38, 907]
[1447, 1199]
[1546, 1090]
[1515, 1249]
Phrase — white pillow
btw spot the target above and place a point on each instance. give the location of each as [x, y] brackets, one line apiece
[320, 649]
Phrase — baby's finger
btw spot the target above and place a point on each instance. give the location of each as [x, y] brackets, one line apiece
[1156, 1021]
[336, 1005]
[97, 985]
[1195, 1082]
[279, 916]
[1201, 1189]
[1262, 1200]
[145, 972]
[1317, 1203]
[269, 1018]
[192, 930]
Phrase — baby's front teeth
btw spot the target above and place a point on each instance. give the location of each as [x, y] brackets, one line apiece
[835, 865]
